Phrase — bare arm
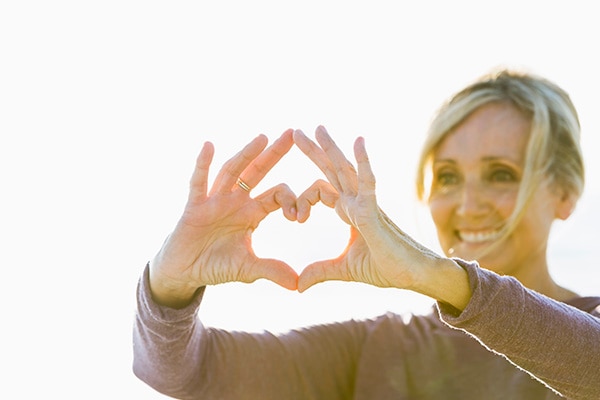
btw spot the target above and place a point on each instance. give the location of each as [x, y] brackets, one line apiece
[378, 252]
[555, 343]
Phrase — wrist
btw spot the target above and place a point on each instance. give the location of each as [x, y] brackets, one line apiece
[445, 281]
[167, 292]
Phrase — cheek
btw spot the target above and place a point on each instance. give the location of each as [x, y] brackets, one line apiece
[538, 219]
[504, 203]
[440, 209]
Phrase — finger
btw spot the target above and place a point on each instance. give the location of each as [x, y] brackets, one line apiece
[321, 271]
[280, 196]
[274, 270]
[319, 191]
[317, 156]
[366, 177]
[233, 167]
[259, 167]
[199, 180]
[344, 170]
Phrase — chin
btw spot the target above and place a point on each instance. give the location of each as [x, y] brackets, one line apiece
[477, 253]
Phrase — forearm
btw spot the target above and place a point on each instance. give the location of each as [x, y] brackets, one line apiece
[430, 274]
[166, 347]
[554, 342]
[177, 356]
[447, 283]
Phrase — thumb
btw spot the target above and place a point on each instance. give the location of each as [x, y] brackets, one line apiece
[321, 271]
[276, 271]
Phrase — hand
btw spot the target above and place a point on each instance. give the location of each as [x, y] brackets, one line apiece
[211, 243]
[378, 252]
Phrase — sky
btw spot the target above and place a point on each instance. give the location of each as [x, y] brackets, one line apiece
[105, 105]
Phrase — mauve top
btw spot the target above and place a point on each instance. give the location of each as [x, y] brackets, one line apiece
[509, 343]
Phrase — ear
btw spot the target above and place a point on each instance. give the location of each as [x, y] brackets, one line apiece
[565, 204]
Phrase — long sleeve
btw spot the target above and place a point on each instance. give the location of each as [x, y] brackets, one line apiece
[175, 354]
[556, 343]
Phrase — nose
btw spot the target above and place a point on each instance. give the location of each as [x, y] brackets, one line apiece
[473, 200]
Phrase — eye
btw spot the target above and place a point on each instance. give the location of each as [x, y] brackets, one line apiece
[446, 178]
[502, 175]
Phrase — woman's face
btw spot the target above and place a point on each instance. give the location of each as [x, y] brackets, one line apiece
[477, 169]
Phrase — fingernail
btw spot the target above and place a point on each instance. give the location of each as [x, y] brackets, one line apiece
[321, 132]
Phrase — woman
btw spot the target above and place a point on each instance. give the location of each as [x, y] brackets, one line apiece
[504, 160]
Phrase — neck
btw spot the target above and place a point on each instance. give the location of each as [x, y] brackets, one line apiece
[540, 280]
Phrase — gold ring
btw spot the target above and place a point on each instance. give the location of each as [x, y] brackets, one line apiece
[243, 185]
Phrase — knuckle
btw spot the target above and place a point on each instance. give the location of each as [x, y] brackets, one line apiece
[283, 187]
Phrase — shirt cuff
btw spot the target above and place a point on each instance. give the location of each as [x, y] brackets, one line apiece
[152, 312]
[492, 296]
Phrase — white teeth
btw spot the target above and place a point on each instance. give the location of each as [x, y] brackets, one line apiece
[478, 237]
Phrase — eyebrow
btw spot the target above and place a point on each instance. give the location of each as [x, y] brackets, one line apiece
[486, 159]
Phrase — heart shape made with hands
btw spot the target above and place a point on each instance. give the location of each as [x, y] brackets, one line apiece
[344, 180]
[321, 236]
[213, 240]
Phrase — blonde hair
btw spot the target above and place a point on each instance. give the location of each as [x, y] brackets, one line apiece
[553, 149]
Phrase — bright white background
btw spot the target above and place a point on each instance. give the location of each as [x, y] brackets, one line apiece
[104, 106]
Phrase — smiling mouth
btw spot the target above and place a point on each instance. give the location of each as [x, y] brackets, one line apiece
[478, 236]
